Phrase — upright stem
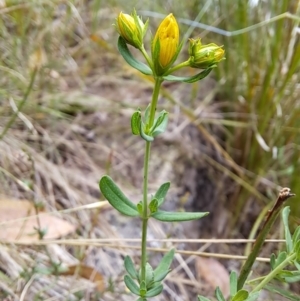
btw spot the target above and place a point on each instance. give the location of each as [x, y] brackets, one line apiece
[274, 273]
[155, 95]
[284, 194]
[15, 115]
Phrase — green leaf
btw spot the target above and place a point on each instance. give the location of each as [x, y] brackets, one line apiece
[233, 283]
[281, 257]
[201, 298]
[136, 122]
[153, 206]
[241, 295]
[297, 251]
[297, 265]
[291, 277]
[116, 198]
[162, 192]
[131, 285]
[296, 235]
[288, 237]
[164, 265]
[147, 113]
[143, 288]
[253, 296]
[123, 49]
[156, 290]
[273, 261]
[161, 276]
[144, 135]
[165, 216]
[129, 267]
[191, 79]
[160, 124]
[219, 294]
[139, 207]
[285, 293]
[149, 275]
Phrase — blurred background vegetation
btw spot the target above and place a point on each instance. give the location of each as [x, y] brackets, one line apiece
[72, 44]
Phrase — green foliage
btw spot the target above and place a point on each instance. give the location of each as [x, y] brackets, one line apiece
[219, 294]
[165, 216]
[136, 120]
[162, 192]
[190, 79]
[129, 267]
[164, 266]
[116, 197]
[233, 283]
[130, 59]
[261, 72]
[160, 124]
[150, 286]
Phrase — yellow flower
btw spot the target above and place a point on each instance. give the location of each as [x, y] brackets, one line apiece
[204, 56]
[165, 43]
[131, 29]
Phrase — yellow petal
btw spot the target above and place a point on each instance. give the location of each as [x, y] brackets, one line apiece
[168, 36]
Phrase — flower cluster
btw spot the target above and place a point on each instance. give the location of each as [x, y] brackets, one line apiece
[165, 45]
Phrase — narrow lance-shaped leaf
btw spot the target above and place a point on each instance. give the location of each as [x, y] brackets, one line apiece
[201, 298]
[116, 197]
[156, 290]
[288, 237]
[129, 266]
[166, 216]
[147, 113]
[283, 292]
[131, 285]
[162, 191]
[149, 275]
[233, 283]
[219, 294]
[191, 79]
[164, 265]
[296, 235]
[160, 124]
[281, 257]
[292, 277]
[128, 57]
[273, 261]
[297, 251]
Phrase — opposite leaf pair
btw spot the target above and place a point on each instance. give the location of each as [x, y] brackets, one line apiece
[120, 202]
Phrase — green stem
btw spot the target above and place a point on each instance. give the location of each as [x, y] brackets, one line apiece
[246, 269]
[158, 82]
[274, 273]
[284, 194]
[177, 67]
[146, 56]
[14, 116]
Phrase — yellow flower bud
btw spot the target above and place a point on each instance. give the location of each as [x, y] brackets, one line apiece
[165, 43]
[131, 29]
[204, 56]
